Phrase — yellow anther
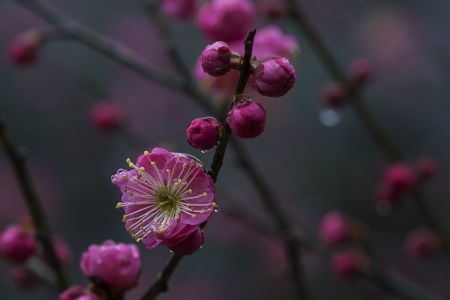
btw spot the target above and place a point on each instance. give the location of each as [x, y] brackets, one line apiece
[142, 169]
[153, 163]
[202, 211]
[128, 161]
[205, 194]
[145, 153]
[124, 218]
[119, 205]
[133, 236]
[190, 191]
[194, 215]
[184, 165]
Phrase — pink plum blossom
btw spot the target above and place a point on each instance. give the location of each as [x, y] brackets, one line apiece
[166, 196]
[117, 265]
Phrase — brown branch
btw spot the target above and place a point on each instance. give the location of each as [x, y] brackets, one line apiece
[34, 205]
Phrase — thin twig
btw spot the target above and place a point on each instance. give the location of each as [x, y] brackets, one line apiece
[161, 283]
[34, 205]
[380, 136]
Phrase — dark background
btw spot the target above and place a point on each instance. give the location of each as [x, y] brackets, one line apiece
[313, 168]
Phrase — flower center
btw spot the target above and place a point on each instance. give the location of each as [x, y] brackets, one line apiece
[167, 200]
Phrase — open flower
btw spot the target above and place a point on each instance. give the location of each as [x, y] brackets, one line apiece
[166, 196]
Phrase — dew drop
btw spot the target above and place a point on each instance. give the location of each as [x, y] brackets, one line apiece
[203, 151]
[217, 209]
[330, 117]
[170, 251]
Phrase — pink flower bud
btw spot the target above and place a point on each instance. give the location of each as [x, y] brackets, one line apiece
[426, 168]
[24, 49]
[348, 264]
[117, 265]
[274, 77]
[189, 245]
[17, 245]
[203, 133]
[105, 116]
[179, 9]
[77, 293]
[247, 119]
[335, 228]
[360, 72]
[334, 94]
[226, 20]
[422, 243]
[400, 177]
[216, 59]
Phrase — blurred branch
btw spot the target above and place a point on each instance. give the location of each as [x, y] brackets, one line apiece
[161, 283]
[34, 205]
[380, 136]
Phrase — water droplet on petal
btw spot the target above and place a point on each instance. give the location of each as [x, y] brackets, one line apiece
[330, 117]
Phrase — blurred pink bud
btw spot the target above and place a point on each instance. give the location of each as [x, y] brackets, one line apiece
[274, 77]
[426, 168]
[247, 119]
[179, 9]
[24, 49]
[422, 243]
[204, 133]
[271, 41]
[117, 265]
[216, 59]
[226, 20]
[190, 244]
[271, 9]
[77, 293]
[22, 277]
[16, 244]
[334, 94]
[348, 264]
[335, 228]
[360, 72]
[105, 116]
[400, 177]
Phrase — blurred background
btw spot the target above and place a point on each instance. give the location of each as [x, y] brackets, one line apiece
[312, 167]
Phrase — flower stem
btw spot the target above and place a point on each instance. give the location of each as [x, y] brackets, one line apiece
[34, 205]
